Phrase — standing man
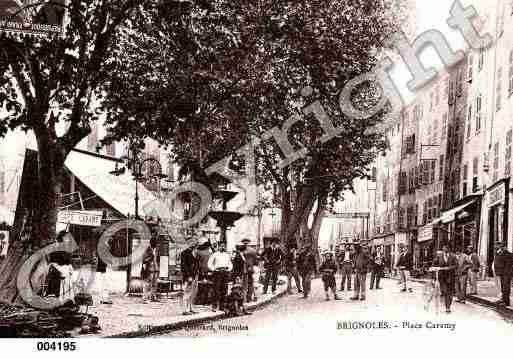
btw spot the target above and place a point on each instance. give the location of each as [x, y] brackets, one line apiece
[150, 271]
[251, 262]
[447, 264]
[328, 269]
[474, 271]
[404, 264]
[504, 270]
[307, 266]
[464, 264]
[190, 266]
[361, 266]
[220, 264]
[291, 268]
[273, 257]
[346, 266]
[377, 265]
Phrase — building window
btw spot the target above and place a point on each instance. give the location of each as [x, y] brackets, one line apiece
[475, 171]
[500, 25]
[435, 131]
[431, 101]
[510, 87]
[433, 169]
[444, 125]
[478, 113]
[441, 168]
[469, 121]
[470, 67]
[403, 183]
[507, 162]
[480, 62]
[459, 88]
[170, 170]
[498, 94]
[496, 148]
[465, 178]
[424, 213]
[451, 92]
[2, 183]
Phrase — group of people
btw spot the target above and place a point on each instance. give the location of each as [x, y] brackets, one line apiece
[201, 260]
[353, 262]
[454, 270]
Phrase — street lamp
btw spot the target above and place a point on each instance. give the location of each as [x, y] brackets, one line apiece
[137, 166]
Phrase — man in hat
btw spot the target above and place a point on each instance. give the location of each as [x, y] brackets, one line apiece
[291, 268]
[464, 264]
[221, 265]
[189, 263]
[251, 262]
[361, 267]
[273, 258]
[150, 271]
[504, 270]
[346, 263]
[474, 271]
[328, 269]
[404, 265]
[306, 265]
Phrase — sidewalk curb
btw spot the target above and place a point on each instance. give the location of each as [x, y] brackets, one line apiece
[476, 300]
[187, 321]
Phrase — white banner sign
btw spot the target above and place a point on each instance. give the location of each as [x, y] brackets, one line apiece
[81, 218]
[4, 242]
[429, 152]
[425, 233]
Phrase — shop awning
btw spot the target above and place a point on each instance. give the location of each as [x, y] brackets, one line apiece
[450, 215]
[117, 191]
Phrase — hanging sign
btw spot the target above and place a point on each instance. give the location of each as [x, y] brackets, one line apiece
[81, 218]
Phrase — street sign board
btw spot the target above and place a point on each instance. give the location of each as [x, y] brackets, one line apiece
[348, 215]
[81, 218]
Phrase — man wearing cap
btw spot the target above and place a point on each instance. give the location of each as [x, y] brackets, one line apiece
[346, 265]
[504, 270]
[291, 268]
[404, 265]
[361, 267]
[221, 265]
[273, 257]
[474, 271]
[306, 265]
[251, 262]
[189, 265]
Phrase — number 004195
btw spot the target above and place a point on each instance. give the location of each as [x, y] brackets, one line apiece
[57, 346]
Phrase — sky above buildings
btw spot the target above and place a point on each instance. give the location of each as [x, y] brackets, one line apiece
[429, 14]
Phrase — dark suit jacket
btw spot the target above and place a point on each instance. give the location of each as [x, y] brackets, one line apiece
[504, 264]
[189, 264]
[446, 277]
[239, 265]
[306, 263]
[362, 263]
[251, 259]
[405, 260]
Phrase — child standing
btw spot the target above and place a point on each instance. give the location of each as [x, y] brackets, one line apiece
[328, 269]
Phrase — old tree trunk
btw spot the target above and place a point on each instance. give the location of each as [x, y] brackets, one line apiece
[40, 226]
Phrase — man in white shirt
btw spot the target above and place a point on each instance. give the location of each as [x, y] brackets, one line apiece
[221, 265]
[346, 265]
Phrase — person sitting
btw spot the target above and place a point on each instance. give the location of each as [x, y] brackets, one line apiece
[60, 270]
[234, 302]
[328, 269]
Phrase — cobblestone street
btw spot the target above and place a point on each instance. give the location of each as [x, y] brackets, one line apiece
[292, 315]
